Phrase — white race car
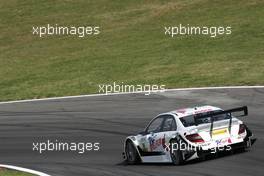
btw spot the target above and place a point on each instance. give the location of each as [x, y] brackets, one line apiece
[187, 134]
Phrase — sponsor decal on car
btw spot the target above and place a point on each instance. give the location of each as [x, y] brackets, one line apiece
[154, 144]
[202, 111]
[182, 111]
[223, 141]
[219, 132]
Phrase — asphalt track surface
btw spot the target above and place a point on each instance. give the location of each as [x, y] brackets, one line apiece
[108, 120]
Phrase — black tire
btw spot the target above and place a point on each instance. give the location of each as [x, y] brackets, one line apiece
[131, 153]
[176, 153]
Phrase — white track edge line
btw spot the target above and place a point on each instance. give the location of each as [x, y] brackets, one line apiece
[124, 93]
[23, 170]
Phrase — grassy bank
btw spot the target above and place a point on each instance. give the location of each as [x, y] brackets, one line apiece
[131, 48]
[5, 172]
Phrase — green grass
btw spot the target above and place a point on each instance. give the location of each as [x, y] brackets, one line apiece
[131, 48]
[5, 172]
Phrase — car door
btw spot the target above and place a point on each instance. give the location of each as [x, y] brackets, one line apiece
[149, 136]
[156, 135]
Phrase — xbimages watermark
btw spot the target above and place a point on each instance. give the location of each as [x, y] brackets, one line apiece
[126, 88]
[212, 31]
[79, 31]
[182, 146]
[62, 146]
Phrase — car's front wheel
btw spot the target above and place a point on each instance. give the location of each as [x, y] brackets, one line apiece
[132, 156]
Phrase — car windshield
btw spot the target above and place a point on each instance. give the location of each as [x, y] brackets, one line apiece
[199, 119]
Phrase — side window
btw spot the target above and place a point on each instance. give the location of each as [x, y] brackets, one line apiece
[169, 124]
[155, 125]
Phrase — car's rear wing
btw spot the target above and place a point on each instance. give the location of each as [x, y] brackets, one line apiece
[212, 115]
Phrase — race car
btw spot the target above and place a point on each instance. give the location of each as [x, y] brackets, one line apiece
[186, 134]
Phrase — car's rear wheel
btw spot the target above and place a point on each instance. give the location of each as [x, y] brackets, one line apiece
[132, 156]
[176, 153]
